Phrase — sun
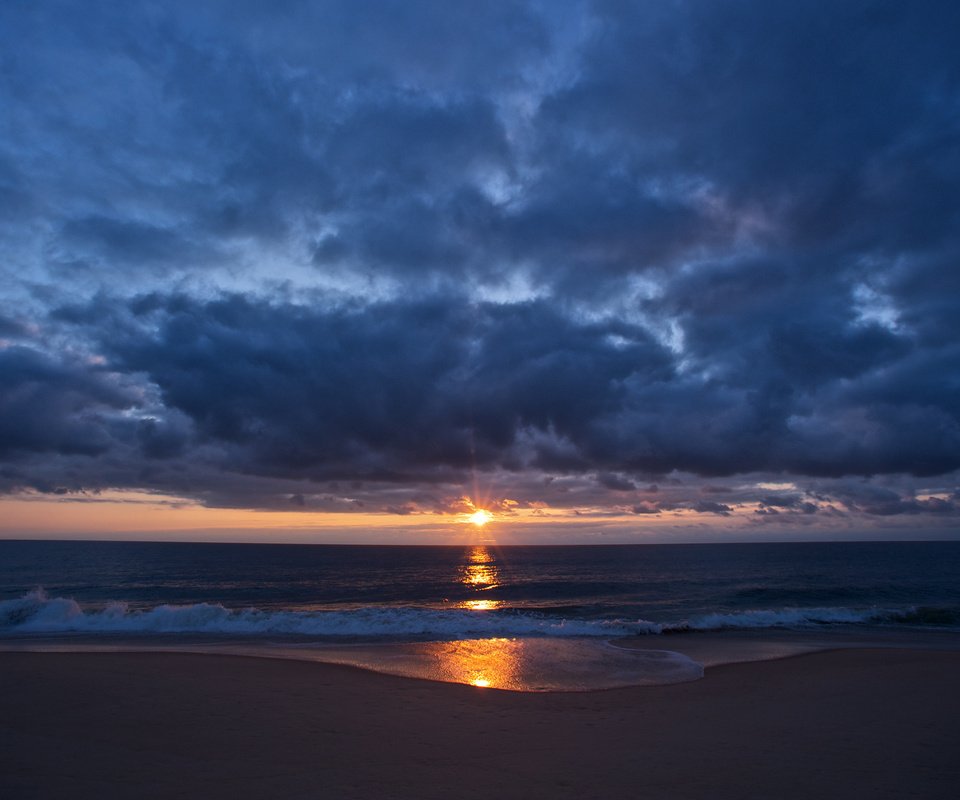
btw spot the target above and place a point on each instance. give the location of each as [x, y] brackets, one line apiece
[480, 517]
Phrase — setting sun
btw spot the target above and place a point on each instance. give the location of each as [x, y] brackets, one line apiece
[480, 517]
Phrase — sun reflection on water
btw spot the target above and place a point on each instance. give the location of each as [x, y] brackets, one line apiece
[480, 605]
[479, 573]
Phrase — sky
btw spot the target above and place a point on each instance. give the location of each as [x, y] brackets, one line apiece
[613, 271]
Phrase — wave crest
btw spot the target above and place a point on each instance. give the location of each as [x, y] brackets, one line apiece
[811, 617]
[35, 612]
[38, 613]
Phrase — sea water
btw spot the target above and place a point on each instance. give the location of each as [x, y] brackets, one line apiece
[535, 618]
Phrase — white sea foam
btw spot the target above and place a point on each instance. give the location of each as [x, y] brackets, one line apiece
[35, 612]
[786, 618]
[38, 613]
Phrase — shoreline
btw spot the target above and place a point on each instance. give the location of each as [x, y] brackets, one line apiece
[840, 723]
[432, 659]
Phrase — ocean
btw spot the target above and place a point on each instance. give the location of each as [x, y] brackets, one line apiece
[547, 606]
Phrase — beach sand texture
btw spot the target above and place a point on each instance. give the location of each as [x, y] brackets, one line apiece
[844, 724]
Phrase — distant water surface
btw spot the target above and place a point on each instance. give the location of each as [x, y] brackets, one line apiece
[395, 591]
[497, 600]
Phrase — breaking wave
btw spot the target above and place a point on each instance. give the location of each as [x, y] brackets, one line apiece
[783, 618]
[810, 617]
[37, 613]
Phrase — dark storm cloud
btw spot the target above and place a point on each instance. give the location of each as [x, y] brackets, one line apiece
[396, 389]
[212, 125]
[710, 507]
[124, 243]
[615, 242]
[382, 389]
[610, 480]
[886, 502]
[50, 406]
[783, 100]
[12, 327]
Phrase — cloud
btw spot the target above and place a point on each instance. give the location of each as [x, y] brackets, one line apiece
[49, 406]
[710, 507]
[885, 502]
[248, 254]
[617, 483]
[397, 388]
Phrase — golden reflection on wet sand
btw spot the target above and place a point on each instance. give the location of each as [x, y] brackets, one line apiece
[522, 664]
[490, 663]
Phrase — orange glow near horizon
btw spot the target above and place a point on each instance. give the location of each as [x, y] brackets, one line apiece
[141, 515]
[143, 511]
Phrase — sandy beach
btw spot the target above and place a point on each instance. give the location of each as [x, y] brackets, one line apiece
[852, 724]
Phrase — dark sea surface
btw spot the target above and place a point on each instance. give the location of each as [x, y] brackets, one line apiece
[371, 593]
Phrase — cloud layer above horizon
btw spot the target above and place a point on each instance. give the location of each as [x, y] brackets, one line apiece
[645, 258]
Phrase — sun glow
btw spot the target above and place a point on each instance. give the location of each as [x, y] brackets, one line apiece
[480, 517]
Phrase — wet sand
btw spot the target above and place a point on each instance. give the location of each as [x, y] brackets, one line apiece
[850, 724]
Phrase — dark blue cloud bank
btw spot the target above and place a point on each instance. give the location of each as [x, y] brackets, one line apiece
[626, 256]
